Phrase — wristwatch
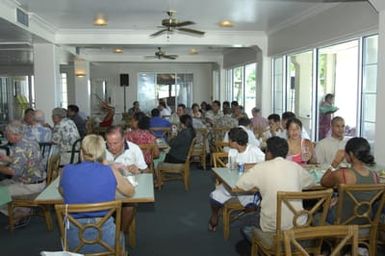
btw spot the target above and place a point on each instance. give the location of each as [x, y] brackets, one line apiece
[331, 168]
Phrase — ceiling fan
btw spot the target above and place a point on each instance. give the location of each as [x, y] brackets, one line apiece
[162, 55]
[171, 24]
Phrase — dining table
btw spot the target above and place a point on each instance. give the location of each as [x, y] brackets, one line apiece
[229, 177]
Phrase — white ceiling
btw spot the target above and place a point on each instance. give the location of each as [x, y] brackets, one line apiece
[130, 22]
[147, 14]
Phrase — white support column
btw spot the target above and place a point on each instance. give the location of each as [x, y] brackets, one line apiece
[47, 77]
[264, 83]
[83, 86]
[379, 148]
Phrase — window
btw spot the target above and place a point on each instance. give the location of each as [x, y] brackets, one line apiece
[299, 89]
[238, 85]
[241, 86]
[250, 87]
[347, 70]
[175, 88]
[278, 85]
[338, 75]
[369, 87]
[63, 96]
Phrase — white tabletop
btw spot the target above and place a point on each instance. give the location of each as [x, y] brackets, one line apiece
[144, 192]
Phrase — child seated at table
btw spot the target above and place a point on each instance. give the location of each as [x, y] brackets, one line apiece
[243, 153]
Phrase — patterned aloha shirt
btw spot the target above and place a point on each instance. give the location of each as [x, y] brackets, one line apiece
[64, 135]
[38, 133]
[27, 161]
[213, 118]
[138, 137]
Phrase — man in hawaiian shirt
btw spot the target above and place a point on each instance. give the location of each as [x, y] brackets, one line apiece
[64, 134]
[37, 131]
[24, 163]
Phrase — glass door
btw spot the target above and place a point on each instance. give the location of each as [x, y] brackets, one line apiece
[299, 87]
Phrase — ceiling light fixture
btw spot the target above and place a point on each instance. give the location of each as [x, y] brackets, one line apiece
[117, 50]
[100, 20]
[80, 74]
[193, 51]
[226, 24]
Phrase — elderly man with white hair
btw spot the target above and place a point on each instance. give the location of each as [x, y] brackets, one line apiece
[24, 164]
[37, 131]
[64, 134]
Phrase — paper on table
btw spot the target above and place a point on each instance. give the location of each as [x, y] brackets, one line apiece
[132, 180]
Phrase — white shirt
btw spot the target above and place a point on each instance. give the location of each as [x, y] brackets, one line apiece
[131, 155]
[327, 148]
[252, 154]
[270, 177]
[165, 112]
[252, 140]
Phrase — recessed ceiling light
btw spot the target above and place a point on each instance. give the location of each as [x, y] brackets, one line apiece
[100, 20]
[193, 51]
[117, 50]
[226, 24]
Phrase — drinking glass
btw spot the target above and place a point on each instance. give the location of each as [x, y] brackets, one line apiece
[232, 163]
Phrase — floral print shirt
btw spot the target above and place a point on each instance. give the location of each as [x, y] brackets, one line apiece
[27, 161]
[64, 135]
[38, 133]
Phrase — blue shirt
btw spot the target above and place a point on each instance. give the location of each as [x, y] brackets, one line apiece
[156, 122]
[87, 183]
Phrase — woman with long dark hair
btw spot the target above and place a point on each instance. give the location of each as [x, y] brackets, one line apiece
[180, 145]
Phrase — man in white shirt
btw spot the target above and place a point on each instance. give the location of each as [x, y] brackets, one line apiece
[243, 153]
[273, 175]
[330, 150]
[128, 158]
[244, 123]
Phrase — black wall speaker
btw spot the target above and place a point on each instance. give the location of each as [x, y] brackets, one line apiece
[124, 79]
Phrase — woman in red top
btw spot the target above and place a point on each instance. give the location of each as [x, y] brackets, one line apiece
[140, 134]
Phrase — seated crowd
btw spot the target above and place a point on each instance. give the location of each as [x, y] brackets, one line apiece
[270, 148]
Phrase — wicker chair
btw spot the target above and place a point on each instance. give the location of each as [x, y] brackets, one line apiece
[151, 148]
[345, 234]
[112, 209]
[365, 213]
[271, 243]
[200, 146]
[171, 171]
[28, 201]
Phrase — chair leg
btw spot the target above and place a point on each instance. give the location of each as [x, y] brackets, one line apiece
[132, 231]
[226, 223]
[254, 248]
[186, 181]
[47, 217]
[11, 219]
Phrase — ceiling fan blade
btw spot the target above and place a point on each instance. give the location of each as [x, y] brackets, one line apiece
[171, 57]
[189, 30]
[159, 32]
[185, 23]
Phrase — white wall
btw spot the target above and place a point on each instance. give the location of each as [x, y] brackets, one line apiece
[69, 69]
[111, 73]
[341, 22]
